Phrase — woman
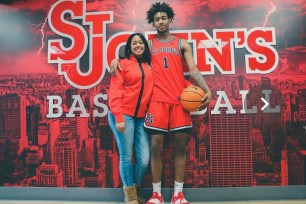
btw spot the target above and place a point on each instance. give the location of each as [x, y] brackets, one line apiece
[129, 95]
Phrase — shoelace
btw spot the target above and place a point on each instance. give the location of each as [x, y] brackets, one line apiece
[155, 196]
[180, 196]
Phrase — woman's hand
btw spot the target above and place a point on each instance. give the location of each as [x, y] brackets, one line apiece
[114, 66]
[120, 126]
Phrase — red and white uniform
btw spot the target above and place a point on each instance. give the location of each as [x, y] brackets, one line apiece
[167, 66]
[165, 111]
[130, 91]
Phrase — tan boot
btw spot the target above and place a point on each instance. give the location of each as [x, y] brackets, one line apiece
[141, 200]
[130, 193]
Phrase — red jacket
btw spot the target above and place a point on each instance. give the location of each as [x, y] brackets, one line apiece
[130, 91]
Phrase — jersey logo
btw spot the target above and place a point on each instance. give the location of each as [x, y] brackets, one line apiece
[149, 118]
[160, 50]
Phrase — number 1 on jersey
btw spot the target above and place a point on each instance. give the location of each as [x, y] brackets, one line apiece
[165, 63]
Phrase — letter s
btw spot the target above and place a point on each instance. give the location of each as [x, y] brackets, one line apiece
[57, 52]
[263, 58]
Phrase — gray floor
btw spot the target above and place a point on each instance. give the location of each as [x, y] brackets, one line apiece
[237, 195]
[231, 202]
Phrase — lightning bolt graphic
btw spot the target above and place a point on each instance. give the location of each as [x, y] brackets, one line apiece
[283, 34]
[41, 30]
[42, 36]
[134, 28]
[272, 10]
[283, 29]
[134, 15]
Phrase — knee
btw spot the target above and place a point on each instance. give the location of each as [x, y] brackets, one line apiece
[126, 158]
[156, 149]
[144, 163]
[143, 157]
[181, 153]
[180, 149]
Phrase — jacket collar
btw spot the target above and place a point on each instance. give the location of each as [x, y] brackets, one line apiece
[132, 57]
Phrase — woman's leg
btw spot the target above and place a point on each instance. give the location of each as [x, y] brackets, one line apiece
[142, 151]
[124, 142]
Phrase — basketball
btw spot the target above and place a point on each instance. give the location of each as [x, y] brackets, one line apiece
[191, 98]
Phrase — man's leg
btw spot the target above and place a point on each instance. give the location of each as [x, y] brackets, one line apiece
[157, 141]
[157, 123]
[179, 140]
[180, 124]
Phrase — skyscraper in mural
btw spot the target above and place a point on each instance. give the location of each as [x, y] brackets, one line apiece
[65, 156]
[13, 138]
[231, 149]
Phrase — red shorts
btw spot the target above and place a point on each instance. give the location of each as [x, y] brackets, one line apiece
[167, 117]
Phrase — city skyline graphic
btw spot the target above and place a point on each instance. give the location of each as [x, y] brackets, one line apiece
[235, 143]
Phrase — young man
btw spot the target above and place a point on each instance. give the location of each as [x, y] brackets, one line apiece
[169, 54]
[165, 113]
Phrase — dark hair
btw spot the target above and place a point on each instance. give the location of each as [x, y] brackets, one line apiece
[146, 57]
[159, 7]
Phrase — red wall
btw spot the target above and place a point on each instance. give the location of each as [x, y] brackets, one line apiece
[247, 52]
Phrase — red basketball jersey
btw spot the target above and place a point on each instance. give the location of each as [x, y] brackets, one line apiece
[167, 67]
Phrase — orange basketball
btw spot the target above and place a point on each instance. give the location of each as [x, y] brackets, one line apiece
[191, 98]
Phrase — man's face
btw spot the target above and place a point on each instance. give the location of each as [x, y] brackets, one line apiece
[161, 22]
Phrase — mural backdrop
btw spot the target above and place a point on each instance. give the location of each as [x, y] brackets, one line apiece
[54, 78]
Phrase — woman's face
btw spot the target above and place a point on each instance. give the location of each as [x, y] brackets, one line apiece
[137, 46]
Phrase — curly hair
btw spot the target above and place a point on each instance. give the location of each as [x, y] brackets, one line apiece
[159, 7]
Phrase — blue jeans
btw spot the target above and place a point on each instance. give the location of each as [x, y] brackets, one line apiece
[134, 135]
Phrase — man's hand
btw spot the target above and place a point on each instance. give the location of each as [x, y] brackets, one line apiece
[114, 66]
[120, 126]
[206, 99]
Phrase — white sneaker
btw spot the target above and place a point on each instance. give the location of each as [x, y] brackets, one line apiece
[156, 199]
[179, 199]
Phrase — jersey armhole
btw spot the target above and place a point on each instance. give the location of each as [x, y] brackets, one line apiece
[180, 48]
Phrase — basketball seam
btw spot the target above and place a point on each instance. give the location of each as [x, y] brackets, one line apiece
[190, 101]
[194, 92]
